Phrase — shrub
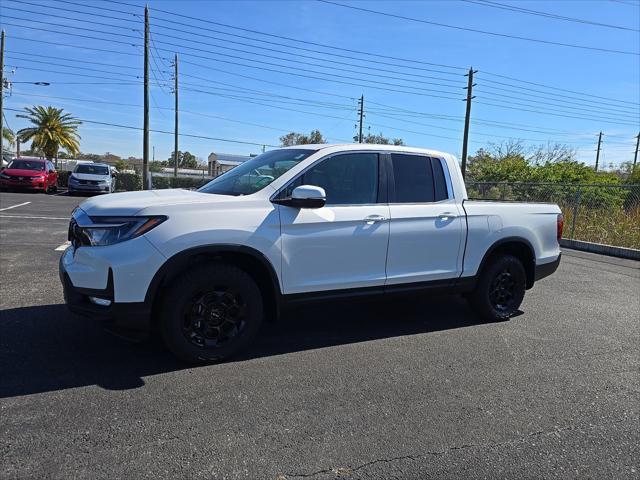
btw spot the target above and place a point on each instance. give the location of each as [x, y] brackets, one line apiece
[178, 182]
[128, 182]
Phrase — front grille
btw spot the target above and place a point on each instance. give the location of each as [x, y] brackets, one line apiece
[89, 182]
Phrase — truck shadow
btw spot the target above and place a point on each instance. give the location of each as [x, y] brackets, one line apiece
[45, 348]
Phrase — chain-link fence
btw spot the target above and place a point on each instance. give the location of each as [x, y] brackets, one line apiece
[608, 214]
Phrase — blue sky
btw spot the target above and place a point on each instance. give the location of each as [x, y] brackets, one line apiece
[261, 108]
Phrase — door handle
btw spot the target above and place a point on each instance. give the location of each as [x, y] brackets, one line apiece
[447, 215]
[371, 219]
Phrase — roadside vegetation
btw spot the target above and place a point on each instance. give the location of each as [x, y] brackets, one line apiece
[600, 207]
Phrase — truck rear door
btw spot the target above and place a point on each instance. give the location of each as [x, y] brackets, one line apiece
[427, 226]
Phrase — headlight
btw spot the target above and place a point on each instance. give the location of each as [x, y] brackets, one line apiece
[39, 177]
[4, 175]
[110, 230]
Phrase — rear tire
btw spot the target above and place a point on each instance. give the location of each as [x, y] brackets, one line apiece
[210, 313]
[500, 288]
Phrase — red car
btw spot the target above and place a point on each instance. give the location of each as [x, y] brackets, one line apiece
[30, 174]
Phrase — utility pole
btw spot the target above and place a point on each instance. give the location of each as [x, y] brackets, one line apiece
[361, 117]
[145, 141]
[1, 91]
[175, 125]
[598, 151]
[635, 157]
[467, 120]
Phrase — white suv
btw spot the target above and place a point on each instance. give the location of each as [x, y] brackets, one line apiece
[297, 224]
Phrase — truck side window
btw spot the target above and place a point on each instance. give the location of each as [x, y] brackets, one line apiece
[439, 182]
[413, 178]
[348, 179]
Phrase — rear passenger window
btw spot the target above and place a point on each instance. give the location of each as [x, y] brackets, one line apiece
[439, 182]
[413, 178]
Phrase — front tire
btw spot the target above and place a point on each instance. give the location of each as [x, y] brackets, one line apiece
[210, 313]
[500, 288]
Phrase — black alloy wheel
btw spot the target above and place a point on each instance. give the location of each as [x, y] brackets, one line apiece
[210, 312]
[214, 317]
[500, 288]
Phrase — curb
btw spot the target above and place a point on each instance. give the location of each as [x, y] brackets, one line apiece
[620, 252]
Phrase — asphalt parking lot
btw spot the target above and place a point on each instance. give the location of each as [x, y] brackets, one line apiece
[409, 390]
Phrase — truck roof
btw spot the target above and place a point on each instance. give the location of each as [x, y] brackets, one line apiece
[368, 146]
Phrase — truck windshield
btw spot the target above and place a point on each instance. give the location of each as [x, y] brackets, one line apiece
[257, 173]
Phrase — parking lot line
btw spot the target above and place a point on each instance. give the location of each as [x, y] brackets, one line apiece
[14, 206]
[63, 247]
[33, 216]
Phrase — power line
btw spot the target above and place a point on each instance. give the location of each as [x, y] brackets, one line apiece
[59, 8]
[332, 62]
[548, 86]
[629, 3]
[70, 33]
[80, 47]
[28, 54]
[173, 21]
[332, 66]
[513, 8]
[134, 105]
[594, 110]
[550, 95]
[172, 24]
[474, 30]
[217, 139]
[208, 21]
[263, 62]
[554, 114]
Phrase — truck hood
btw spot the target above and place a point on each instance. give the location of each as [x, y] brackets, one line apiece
[130, 203]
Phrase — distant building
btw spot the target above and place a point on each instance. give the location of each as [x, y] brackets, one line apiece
[223, 162]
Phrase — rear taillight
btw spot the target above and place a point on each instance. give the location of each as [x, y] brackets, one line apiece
[559, 226]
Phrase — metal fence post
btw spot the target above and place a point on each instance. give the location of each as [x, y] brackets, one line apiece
[504, 190]
[576, 206]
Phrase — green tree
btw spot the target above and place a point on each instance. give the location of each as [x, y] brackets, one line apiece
[156, 166]
[379, 139]
[121, 165]
[8, 135]
[294, 138]
[185, 160]
[52, 130]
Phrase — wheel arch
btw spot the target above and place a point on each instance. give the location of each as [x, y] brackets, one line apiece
[519, 247]
[249, 259]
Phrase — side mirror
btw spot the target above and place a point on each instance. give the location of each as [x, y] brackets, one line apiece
[305, 196]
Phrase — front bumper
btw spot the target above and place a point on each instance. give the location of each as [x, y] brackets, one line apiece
[78, 187]
[130, 319]
[23, 184]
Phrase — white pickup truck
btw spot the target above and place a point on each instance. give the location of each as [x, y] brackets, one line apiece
[297, 224]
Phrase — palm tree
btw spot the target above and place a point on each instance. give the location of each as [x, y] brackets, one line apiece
[8, 135]
[52, 130]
